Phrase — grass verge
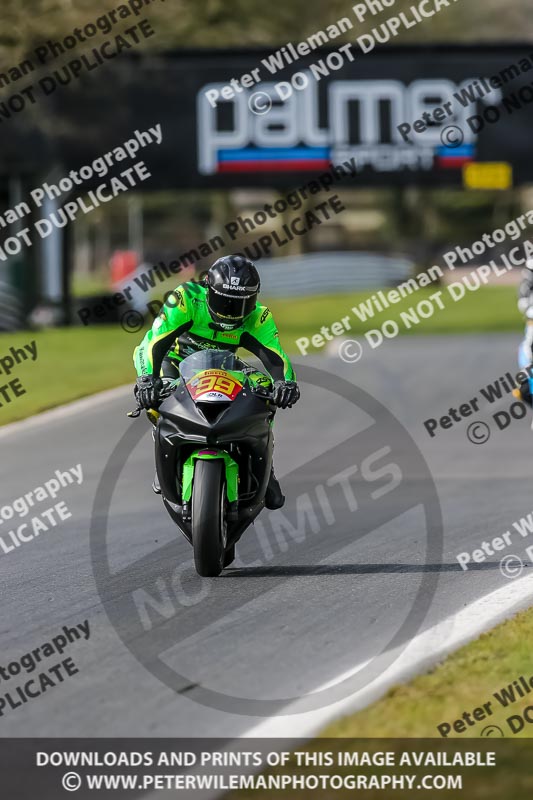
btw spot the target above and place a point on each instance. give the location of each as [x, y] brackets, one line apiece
[490, 309]
[71, 363]
[76, 362]
[466, 680]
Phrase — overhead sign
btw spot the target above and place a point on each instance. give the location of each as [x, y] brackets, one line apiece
[406, 115]
[360, 119]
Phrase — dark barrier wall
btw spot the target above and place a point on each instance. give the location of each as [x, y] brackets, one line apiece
[477, 101]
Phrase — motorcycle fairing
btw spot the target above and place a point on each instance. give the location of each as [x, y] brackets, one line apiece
[230, 466]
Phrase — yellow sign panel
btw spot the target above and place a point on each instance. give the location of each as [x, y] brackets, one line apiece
[488, 175]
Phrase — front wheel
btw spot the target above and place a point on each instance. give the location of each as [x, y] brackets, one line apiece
[209, 531]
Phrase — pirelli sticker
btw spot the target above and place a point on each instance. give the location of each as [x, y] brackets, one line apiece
[214, 380]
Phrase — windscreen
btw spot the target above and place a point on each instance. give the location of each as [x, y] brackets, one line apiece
[213, 376]
[209, 359]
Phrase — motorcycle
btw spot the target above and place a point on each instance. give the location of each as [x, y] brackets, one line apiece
[213, 452]
[525, 348]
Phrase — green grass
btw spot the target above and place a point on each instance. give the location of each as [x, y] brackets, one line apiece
[80, 361]
[70, 364]
[491, 308]
[466, 680]
[408, 716]
[89, 286]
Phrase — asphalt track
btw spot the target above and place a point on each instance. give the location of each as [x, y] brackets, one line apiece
[292, 615]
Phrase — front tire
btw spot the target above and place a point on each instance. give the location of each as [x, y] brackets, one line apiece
[208, 517]
[229, 556]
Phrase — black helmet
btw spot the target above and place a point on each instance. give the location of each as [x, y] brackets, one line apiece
[232, 288]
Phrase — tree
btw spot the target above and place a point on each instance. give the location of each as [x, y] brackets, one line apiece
[231, 23]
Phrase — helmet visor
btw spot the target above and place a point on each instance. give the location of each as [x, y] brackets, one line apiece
[230, 307]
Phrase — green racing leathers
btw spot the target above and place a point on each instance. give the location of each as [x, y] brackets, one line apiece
[184, 326]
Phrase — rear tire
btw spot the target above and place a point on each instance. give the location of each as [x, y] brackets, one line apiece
[208, 517]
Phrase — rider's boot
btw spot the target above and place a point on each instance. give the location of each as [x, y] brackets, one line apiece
[274, 497]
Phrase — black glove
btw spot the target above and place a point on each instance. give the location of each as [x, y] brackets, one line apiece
[285, 393]
[147, 390]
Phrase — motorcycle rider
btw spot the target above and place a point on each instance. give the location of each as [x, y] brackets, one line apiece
[525, 290]
[525, 306]
[221, 312]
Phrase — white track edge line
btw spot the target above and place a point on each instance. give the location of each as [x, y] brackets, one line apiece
[65, 410]
[509, 599]
[422, 653]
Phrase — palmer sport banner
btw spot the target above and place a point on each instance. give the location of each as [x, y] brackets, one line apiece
[255, 118]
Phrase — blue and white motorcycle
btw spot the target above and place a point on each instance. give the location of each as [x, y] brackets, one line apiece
[525, 350]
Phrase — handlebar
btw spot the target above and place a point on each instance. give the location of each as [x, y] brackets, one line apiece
[166, 390]
[262, 394]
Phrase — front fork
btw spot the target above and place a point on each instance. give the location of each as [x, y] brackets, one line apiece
[167, 466]
[231, 470]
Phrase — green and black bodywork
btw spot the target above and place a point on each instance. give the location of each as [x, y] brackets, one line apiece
[213, 445]
[213, 452]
